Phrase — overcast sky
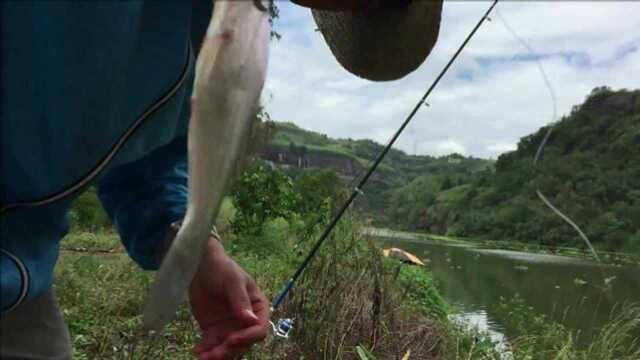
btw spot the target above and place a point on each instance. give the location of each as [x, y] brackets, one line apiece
[494, 93]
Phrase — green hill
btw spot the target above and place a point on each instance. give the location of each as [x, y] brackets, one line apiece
[590, 169]
[296, 149]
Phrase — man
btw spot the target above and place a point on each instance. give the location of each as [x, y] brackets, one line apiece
[97, 93]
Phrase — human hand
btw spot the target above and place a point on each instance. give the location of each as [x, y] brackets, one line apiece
[231, 310]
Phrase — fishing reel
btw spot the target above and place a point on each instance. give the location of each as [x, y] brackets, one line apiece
[282, 328]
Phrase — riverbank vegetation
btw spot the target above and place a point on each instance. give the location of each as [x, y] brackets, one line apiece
[606, 257]
[350, 297]
[101, 293]
[351, 303]
[351, 300]
[539, 338]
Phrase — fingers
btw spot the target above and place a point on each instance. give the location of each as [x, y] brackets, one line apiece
[259, 303]
[238, 297]
[238, 341]
[223, 354]
[236, 344]
[242, 319]
[247, 337]
[209, 341]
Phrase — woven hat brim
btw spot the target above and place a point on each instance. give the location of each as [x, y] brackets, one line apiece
[384, 44]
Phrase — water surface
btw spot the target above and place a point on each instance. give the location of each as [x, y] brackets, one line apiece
[571, 291]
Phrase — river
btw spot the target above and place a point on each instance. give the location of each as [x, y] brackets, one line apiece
[577, 293]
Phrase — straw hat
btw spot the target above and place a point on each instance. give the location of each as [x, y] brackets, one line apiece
[384, 42]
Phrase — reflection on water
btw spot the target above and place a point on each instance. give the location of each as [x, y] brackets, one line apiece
[480, 322]
[577, 293]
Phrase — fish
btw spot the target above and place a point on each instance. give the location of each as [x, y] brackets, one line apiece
[229, 76]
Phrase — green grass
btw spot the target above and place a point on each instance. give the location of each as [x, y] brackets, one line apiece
[93, 242]
[101, 296]
[350, 298]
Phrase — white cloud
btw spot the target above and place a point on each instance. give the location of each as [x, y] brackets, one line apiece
[331, 101]
[444, 147]
[486, 102]
[501, 147]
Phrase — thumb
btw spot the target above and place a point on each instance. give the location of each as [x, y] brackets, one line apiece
[240, 302]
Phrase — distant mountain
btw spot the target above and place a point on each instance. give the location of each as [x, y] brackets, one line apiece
[590, 169]
[296, 149]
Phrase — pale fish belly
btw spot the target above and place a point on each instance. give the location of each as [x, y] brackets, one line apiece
[230, 73]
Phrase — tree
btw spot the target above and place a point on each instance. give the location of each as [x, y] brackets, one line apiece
[260, 194]
[318, 190]
[446, 183]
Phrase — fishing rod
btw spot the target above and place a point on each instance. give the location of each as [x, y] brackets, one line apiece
[284, 325]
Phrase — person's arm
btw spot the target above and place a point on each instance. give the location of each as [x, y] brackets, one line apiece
[144, 197]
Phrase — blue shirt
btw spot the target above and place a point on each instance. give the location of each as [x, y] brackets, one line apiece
[92, 94]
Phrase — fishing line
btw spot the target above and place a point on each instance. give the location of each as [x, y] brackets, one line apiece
[539, 152]
[358, 189]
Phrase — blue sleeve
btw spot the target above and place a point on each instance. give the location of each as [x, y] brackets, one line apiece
[144, 197]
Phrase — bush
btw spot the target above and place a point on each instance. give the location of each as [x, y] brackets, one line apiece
[422, 293]
[318, 190]
[260, 194]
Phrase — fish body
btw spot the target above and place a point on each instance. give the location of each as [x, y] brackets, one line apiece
[230, 73]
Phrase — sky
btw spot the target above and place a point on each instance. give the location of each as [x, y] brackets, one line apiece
[493, 95]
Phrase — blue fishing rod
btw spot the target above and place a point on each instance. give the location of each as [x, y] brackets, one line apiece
[284, 325]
